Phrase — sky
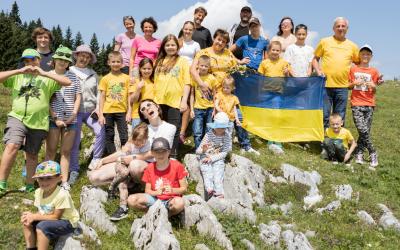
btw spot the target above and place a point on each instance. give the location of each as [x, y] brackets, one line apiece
[371, 21]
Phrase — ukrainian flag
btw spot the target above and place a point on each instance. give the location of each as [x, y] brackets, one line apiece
[283, 109]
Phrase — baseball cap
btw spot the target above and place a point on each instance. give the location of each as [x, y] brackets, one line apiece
[160, 144]
[254, 20]
[47, 168]
[63, 53]
[246, 8]
[30, 54]
[366, 47]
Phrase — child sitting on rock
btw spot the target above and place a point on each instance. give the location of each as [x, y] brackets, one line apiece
[213, 149]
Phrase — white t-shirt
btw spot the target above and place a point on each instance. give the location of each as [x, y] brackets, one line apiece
[133, 150]
[299, 58]
[189, 50]
[165, 130]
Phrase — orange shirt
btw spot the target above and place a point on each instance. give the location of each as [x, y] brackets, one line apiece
[361, 95]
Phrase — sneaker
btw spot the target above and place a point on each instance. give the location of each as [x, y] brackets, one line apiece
[275, 149]
[119, 214]
[374, 160]
[335, 162]
[359, 158]
[250, 150]
[324, 154]
[65, 186]
[94, 164]
[73, 177]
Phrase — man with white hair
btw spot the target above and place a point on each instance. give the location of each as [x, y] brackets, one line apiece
[337, 53]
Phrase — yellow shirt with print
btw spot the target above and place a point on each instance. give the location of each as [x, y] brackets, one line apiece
[116, 88]
[220, 63]
[168, 87]
[227, 103]
[336, 59]
[274, 68]
[59, 199]
[199, 101]
[147, 92]
[344, 135]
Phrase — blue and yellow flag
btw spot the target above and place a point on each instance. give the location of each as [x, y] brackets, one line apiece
[283, 109]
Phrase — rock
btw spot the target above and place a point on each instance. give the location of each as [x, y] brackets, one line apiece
[66, 242]
[201, 247]
[309, 234]
[153, 230]
[366, 218]
[270, 234]
[289, 226]
[197, 213]
[27, 202]
[285, 208]
[330, 207]
[276, 179]
[89, 232]
[344, 192]
[92, 209]
[295, 241]
[235, 207]
[312, 198]
[249, 245]
[387, 219]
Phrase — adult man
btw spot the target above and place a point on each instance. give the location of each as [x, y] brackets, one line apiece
[201, 34]
[337, 53]
[240, 29]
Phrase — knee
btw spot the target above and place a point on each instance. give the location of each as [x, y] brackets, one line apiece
[94, 178]
[177, 204]
[136, 201]
[136, 169]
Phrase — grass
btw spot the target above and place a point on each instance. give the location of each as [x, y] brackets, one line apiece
[339, 230]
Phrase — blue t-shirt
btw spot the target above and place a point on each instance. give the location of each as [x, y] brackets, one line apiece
[253, 48]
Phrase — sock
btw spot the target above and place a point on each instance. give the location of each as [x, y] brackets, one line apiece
[29, 187]
[124, 207]
[3, 184]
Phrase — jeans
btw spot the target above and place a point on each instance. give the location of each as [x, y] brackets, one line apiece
[201, 118]
[335, 149]
[111, 119]
[241, 133]
[173, 116]
[98, 147]
[135, 122]
[335, 100]
[213, 176]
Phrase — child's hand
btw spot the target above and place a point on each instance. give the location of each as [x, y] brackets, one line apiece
[102, 120]
[245, 60]
[140, 85]
[60, 124]
[26, 70]
[128, 117]
[286, 70]
[205, 147]
[380, 79]
[167, 189]
[191, 114]
[207, 160]
[38, 71]
[27, 218]
[159, 191]
[238, 123]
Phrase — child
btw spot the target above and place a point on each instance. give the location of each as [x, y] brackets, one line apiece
[141, 90]
[337, 140]
[64, 108]
[275, 66]
[213, 149]
[202, 107]
[300, 55]
[165, 180]
[57, 215]
[28, 121]
[363, 81]
[227, 102]
[114, 89]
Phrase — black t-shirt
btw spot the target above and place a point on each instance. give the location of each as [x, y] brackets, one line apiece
[203, 36]
[45, 62]
[240, 31]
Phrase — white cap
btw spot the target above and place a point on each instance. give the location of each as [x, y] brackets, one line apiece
[367, 47]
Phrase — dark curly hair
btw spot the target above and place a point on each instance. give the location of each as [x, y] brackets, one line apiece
[151, 21]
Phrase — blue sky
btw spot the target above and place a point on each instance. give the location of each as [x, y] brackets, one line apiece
[370, 21]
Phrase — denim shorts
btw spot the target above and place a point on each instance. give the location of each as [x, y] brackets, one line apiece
[152, 199]
[54, 229]
[52, 125]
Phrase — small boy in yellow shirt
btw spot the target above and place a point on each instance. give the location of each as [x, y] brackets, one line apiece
[114, 88]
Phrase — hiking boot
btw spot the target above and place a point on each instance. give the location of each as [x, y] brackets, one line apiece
[73, 177]
[119, 214]
[374, 160]
[359, 158]
[249, 150]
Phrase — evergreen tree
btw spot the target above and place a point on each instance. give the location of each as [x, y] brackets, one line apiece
[78, 40]
[101, 65]
[68, 38]
[14, 15]
[94, 44]
[7, 55]
[39, 23]
[57, 37]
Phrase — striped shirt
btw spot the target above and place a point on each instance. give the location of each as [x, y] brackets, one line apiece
[218, 146]
[63, 100]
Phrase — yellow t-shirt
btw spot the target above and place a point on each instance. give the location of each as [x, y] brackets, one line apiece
[147, 92]
[199, 101]
[168, 87]
[344, 135]
[116, 88]
[273, 68]
[220, 63]
[336, 58]
[228, 104]
[59, 199]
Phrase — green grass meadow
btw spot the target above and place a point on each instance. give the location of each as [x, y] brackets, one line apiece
[339, 230]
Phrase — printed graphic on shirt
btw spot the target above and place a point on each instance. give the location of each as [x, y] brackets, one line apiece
[162, 182]
[364, 78]
[29, 91]
[116, 92]
[46, 209]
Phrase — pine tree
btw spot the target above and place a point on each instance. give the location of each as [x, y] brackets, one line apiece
[7, 56]
[39, 23]
[14, 14]
[78, 40]
[101, 65]
[94, 44]
[68, 38]
[57, 37]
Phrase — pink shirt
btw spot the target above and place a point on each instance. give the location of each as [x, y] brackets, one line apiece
[145, 48]
[126, 45]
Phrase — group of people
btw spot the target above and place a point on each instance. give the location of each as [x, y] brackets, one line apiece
[158, 86]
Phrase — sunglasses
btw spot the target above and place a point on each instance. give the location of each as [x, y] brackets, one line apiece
[145, 106]
[67, 55]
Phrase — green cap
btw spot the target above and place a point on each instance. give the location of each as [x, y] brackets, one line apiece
[63, 53]
[30, 53]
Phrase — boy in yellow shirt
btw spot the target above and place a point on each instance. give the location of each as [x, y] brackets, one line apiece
[114, 88]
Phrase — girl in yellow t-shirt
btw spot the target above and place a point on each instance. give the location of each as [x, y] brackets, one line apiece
[172, 85]
[142, 89]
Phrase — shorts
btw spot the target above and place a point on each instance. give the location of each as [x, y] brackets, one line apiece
[152, 199]
[135, 122]
[17, 133]
[54, 229]
[52, 125]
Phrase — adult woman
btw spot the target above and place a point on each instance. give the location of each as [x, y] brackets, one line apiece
[123, 42]
[88, 108]
[146, 46]
[285, 34]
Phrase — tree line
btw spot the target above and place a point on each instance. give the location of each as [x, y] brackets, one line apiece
[15, 36]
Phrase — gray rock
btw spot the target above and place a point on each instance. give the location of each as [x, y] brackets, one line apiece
[197, 213]
[153, 230]
[89, 232]
[388, 220]
[235, 207]
[276, 179]
[366, 217]
[27, 202]
[330, 207]
[66, 242]
[285, 208]
[92, 209]
[270, 234]
[344, 192]
[249, 245]
[295, 241]
[201, 247]
[309, 234]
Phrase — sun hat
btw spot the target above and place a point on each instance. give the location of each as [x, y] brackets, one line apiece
[221, 120]
[160, 144]
[47, 168]
[87, 49]
[63, 53]
[366, 47]
[30, 54]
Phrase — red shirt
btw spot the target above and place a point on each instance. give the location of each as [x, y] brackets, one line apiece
[361, 95]
[170, 176]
